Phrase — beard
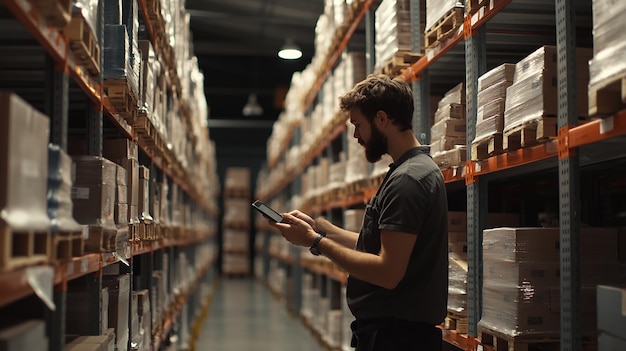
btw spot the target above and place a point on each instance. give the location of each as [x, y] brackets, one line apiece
[376, 147]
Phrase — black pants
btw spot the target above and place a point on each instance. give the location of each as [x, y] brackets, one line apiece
[394, 335]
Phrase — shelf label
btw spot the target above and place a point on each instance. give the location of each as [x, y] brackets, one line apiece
[122, 259]
[606, 125]
[84, 265]
[41, 279]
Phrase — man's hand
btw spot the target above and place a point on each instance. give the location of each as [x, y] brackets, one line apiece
[305, 217]
[297, 231]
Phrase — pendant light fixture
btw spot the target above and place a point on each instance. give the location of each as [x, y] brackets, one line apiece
[290, 51]
[252, 107]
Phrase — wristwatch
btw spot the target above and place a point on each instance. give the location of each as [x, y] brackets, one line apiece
[317, 240]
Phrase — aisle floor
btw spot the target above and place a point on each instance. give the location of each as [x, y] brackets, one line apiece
[244, 315]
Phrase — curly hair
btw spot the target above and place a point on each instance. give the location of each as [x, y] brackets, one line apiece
[379, 92]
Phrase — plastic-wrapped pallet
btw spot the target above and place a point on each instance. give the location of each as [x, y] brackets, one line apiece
[492, 88]
[117, 63]
[436, 9]
[533, 93]
[521, 265]
[393, 30]
[607, 69]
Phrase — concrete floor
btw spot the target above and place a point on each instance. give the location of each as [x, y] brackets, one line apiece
[244, 315]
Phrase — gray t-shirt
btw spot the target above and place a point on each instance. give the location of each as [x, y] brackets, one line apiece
[412, 199]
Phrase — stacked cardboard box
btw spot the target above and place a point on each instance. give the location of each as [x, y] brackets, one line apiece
[393, 31]
[532, 98]
[611, 318]
[23, 175]
[457, 247]
[93, 195]
[26, 335]
[448, 134]
[492, 87]
[607, 69]
[521, 294]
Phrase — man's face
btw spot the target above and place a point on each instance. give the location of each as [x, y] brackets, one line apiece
[369, 136]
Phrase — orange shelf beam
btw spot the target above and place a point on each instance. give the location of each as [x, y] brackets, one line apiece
[597, 130]
[515, 158]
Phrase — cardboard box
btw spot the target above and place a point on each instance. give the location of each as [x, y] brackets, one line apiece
[521, 244]
[535, 274]
[24, 135]
[132, 183]
[504, 72]
[27, 335]
[450, 127]
[118, 149]
[612, 310]
[517, 311]
[119, 305]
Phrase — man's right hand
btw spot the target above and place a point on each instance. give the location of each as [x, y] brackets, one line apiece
[305, 217]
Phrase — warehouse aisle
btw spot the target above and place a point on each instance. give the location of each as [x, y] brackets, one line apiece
[244, 315]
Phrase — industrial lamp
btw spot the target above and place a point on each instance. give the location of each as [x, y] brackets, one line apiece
[252, 107]
[290, 51]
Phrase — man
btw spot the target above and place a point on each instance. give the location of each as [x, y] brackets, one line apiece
[398, 264]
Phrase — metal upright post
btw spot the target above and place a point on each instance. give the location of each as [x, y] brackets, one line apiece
[475, 66]
[569, 178]
[370, 36]
[421, 87]
[55, 320]
[57, 87]
[94, 116]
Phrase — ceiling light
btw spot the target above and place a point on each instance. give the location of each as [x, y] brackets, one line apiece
[252, 107]
[290, 51]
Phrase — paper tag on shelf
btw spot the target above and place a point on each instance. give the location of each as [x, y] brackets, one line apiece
[479, 348]
[122, 259]
[606, 125]
[491, 4]
[84, 265]
[477, 168]
[41, 280]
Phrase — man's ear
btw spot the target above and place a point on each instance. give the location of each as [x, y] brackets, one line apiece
[382, 118]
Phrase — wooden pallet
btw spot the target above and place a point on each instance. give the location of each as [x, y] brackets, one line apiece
[443, 28]
[530, 133]
[501, 342]
[456, 322]
[101, 239]
[23, 247]
[146, 231]
[472, 6]
[487, 147]
[356, 187]
[56, 12]
[607, 97]
[84, 44]
[122, 98]
[400, 61]
[67, 244]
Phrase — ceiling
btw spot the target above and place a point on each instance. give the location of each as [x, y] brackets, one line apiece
[236, 43]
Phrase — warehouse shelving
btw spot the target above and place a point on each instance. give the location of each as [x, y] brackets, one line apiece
[141, 256]
[56, 46]
[559, 154]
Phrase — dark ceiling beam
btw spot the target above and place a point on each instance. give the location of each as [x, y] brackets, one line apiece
[213, 48]
[215, 17]
[239, 123]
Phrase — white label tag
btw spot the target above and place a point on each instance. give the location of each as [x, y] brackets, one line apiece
[80, 193]
[606, 125]
[41, 280]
